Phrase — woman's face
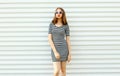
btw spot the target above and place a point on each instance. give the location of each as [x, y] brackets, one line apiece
[58, 13]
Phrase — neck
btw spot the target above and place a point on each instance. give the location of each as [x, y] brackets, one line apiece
[59, 20]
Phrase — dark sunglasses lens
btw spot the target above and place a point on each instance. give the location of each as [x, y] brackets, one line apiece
[56, 12]
[60, 12]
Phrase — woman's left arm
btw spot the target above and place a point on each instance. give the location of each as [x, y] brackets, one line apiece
[69, 47]
[67, 31]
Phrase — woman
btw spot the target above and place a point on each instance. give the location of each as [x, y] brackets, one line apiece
[59, 39]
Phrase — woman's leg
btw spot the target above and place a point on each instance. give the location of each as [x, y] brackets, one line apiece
[63, 68]
[57, 68]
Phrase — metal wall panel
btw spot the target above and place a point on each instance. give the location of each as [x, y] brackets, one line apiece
[95, 37]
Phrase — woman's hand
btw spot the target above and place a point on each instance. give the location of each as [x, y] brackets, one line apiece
[57, 55]
[69, 58]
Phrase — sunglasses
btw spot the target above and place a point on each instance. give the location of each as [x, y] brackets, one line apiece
[58, 12]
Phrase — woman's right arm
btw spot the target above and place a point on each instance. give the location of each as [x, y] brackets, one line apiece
[57, 55]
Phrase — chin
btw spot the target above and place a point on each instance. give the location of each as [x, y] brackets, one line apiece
[58, 17]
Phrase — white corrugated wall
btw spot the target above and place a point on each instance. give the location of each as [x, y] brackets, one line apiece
[95, 37]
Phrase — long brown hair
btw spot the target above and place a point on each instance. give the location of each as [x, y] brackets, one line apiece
[64, 20]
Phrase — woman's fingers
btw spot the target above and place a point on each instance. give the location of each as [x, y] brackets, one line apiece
[69, 58]
[57, 55]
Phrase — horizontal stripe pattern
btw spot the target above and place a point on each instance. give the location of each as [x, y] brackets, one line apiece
[95, 37]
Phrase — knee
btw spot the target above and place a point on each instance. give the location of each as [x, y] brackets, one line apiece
[63, 72]
[56, 72]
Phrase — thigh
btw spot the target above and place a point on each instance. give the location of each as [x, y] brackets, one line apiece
[57, 66]
[63, 66]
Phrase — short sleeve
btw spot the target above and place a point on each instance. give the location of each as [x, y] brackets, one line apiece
[50, 29]
[67, 30]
